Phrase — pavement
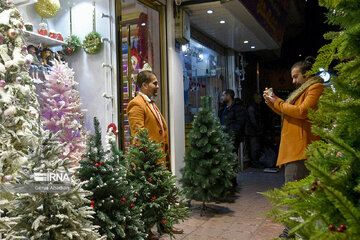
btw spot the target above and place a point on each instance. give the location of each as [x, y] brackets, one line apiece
[242, 220]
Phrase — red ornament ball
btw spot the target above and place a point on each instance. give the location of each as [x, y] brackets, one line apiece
[92, 206]
[101, 163]
[163, 221]
[92, 202]
[332, 227]
[343, 226]
[132, 205]
[149, 179]
[315, 183]
[96, 165]
[340, 229]
[123, 199]
[153, 198]
[313, 188]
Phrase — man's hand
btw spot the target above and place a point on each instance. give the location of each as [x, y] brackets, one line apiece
[269, 96]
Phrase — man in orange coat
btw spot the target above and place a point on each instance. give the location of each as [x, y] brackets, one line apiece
[296, 129]
[296, 132]
[143, 113]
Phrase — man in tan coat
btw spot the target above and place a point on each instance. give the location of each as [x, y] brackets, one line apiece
[143, 113]
[296, 132]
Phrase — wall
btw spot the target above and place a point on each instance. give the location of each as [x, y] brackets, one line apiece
[176, 96]
[93, 79]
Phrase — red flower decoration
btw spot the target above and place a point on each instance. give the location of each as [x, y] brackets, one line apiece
[123, 199]
[163, 221]
[153, 198]
[101, 163]
[132, 205]
[92, 202]
[96, 165]
[113, 126]
[150, 180]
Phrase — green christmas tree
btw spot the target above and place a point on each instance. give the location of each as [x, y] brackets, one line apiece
[209, 163]
[19, 108]
[154, 184]
[51, 210]
[326, 204]
[113, 199]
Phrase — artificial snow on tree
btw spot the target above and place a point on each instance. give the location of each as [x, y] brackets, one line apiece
[210, 163]
[325, 205]
[51, 209]
[18, 102]
[154, 185]
[114, 200]
[61, 110]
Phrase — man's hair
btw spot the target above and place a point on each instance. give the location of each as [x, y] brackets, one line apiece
[144, 77]
[305, 65]
[230, 92]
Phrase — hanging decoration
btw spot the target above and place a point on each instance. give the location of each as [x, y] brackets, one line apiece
[73, 43]
[47, 8]
[92, 43]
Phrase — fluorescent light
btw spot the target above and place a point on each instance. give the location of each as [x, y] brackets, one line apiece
[222, 21]
[252, 46]
[210, 11]
[246, 41]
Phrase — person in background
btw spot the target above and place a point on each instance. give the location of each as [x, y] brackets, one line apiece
[296, 132]
[254, 129]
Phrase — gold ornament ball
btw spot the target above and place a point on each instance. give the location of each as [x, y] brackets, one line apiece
[47, 8]
[12, 33]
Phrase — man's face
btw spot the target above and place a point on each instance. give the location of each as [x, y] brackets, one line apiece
[225, 97]
[152, 87]
[297, 77]
[32, 50]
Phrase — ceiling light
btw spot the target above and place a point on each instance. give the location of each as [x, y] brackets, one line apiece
[210, 11]
[300, 55]
[252, 46]
[143, 24]
[246, 41]
[222, 21]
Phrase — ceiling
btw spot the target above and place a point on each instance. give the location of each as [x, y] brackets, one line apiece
[239, 25]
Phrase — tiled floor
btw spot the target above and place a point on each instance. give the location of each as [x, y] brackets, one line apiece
[241, 220]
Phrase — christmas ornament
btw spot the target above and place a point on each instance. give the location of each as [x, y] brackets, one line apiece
[332, 227]
[313, 188]
[96, 165]
[153, 198]
[150, 180]
[339, 154]
[163, 221]
[340, 229]
[101, 163]
[52, 35]
[10, 111]
[59, 37]
[42, 29]
[81, 179]
[113, 126]
[92, 202]
[12, 33]
[132, 205]
[92, 43]
[92, 206]
[2, 83]
[315, 183]
[47, 8]
[123, 199]
[73, 45]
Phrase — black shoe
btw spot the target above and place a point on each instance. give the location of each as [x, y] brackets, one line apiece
[285, 234]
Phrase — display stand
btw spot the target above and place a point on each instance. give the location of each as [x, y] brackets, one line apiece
[35, 38]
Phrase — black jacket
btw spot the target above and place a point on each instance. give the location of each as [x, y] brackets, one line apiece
[233, 118]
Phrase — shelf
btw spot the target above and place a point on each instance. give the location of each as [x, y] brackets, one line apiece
[19, 3]
[36, 38]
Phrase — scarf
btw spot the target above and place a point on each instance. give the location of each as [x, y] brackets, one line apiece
[295, 94]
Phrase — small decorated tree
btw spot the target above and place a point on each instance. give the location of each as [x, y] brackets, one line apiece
[154, 185]
[61, 110]
[325, 205]
[210, 164]
[114, 200]
[51, 209]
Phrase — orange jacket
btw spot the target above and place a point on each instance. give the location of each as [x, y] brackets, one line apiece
[142, 115]
[296, 129]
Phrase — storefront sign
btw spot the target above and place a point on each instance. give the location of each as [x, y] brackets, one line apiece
[271, 14]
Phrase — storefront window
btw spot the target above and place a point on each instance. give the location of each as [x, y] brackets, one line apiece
[204, 74]
[140, 39]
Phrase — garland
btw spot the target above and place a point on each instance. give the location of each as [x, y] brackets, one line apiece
[92, 43]
[73, 45]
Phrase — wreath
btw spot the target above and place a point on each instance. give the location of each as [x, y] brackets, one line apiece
[73, 45]
[92, 43]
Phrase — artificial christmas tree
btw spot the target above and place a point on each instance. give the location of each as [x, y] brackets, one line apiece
[61, 110]
[18, 102]
[113, 199]
[325, 205]
[51, 208]
[154, 185]
[209, 163]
